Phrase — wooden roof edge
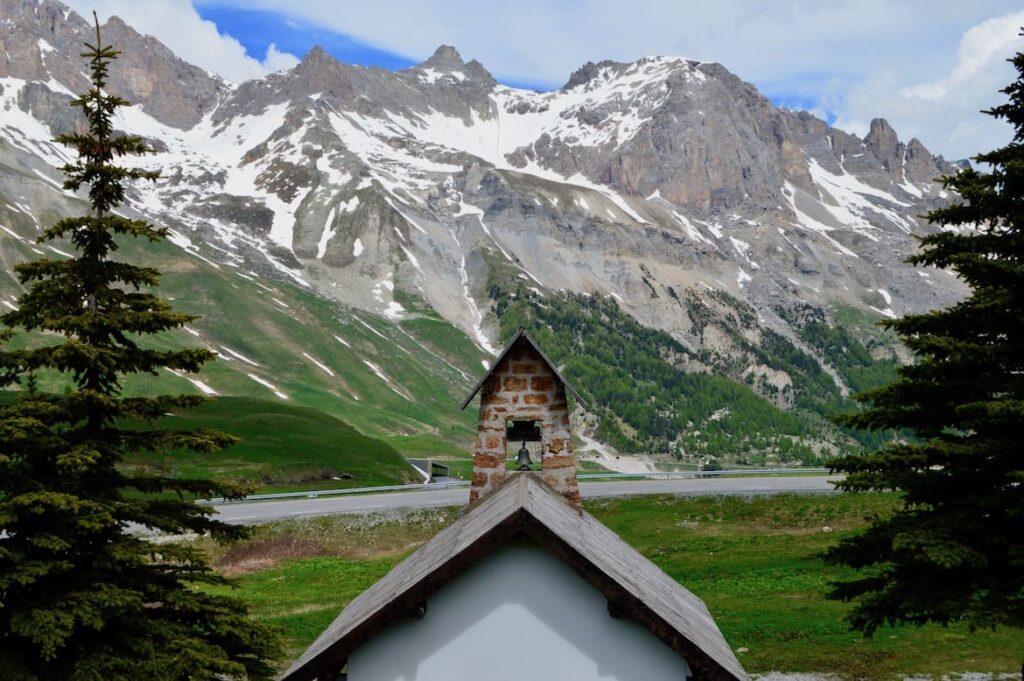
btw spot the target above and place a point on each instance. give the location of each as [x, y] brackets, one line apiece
[309, 665]
[523, 515]
[522, 333]
[636, 607]
[722, 658]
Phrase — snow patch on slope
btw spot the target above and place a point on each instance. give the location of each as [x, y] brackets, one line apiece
[267, 384]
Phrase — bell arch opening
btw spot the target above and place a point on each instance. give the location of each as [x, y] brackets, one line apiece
[524, 443]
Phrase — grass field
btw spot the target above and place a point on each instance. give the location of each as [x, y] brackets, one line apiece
[427, 446]
[755, 562]
[282, 446]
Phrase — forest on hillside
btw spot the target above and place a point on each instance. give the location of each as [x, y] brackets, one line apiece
[641, 384]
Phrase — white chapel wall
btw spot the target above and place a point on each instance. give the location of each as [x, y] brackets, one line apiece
[519, 615]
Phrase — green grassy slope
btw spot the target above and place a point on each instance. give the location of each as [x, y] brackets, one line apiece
[332, 380]
[282, 446]
[403, 381]
[385, 379]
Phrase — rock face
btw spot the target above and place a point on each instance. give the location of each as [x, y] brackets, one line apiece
[659, 182]
[43, 41]
[883, 143]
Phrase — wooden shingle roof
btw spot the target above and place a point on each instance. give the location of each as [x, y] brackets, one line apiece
[526, 506]
[522, 337]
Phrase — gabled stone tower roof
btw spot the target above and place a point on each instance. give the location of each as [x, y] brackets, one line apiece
[522, 339]
[526, 506]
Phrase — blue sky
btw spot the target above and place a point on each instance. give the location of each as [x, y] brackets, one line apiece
[257, 29]
[928, 66]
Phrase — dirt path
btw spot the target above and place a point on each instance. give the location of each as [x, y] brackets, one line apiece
[610, 459]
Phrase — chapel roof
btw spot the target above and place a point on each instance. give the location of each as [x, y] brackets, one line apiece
[526, 506]
[521, 338]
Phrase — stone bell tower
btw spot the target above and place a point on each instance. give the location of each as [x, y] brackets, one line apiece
[523, 399]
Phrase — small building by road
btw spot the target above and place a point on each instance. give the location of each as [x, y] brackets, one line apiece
[526, 584]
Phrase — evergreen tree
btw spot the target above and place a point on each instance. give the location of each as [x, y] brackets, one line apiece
[82, 594]
[954, 551]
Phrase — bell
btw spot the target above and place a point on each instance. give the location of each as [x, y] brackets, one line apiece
[523, 458]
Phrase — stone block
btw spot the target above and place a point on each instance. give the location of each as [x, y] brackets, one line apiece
[514, 383]
[542, 383]
[524, 368]
[488, 461]
[556, 462]
[535, 399]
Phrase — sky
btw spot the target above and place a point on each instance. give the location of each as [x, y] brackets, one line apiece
[927, 66]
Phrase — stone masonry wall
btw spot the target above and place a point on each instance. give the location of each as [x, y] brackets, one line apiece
[523, 387]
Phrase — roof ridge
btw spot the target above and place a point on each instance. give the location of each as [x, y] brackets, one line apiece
[522, 333]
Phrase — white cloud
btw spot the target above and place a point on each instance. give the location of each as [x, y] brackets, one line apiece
[982, 47]
[943, 112]
[276, 60]
[544, 40]
[177, 24]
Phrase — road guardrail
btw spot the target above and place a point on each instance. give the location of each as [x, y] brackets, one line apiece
[428, 486]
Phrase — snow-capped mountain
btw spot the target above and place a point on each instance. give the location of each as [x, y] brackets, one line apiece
[656, 183]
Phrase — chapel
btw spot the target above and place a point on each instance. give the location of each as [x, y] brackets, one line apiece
[526, 584]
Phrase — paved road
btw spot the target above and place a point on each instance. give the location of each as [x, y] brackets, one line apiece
[265, 511]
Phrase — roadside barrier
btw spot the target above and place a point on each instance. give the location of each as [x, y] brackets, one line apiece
[428, 486]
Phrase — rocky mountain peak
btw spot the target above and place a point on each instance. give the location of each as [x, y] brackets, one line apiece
[919, 165]
[445, 58]
[116, 23]
[446, 65]
[880, 127]
[318, 55]
[586, 73]
[318, 71]
[316, 65]
[916, 147]
[42, 43]
[884, 144]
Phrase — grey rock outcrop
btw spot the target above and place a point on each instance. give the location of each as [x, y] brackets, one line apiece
[43, 40]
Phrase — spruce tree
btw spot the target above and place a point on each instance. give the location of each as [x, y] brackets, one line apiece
[83, 594]
[954, 549]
